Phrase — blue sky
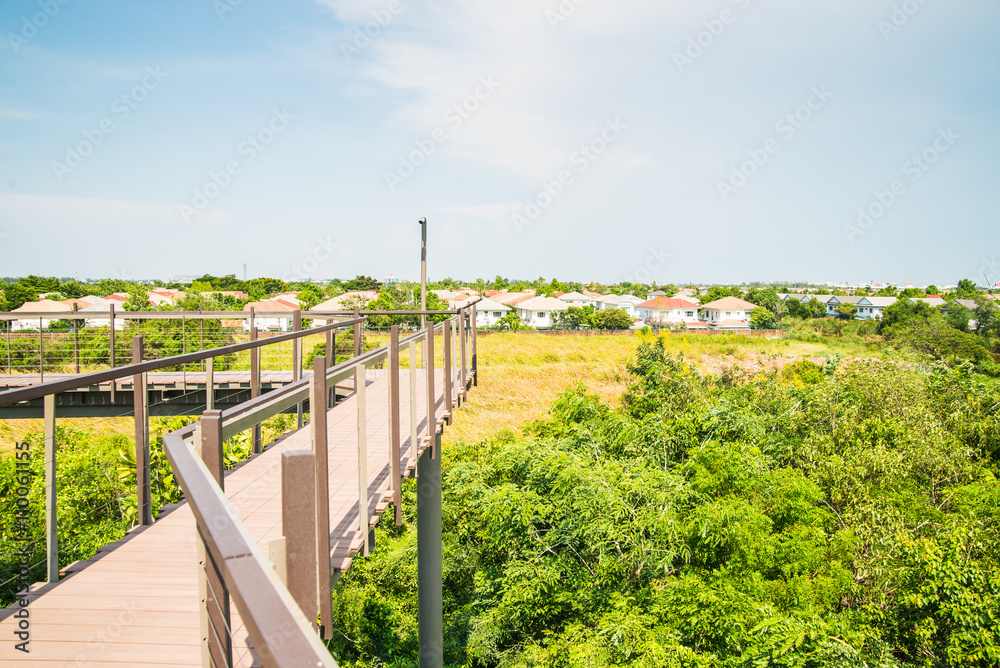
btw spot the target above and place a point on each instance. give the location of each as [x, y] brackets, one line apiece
[730, 140]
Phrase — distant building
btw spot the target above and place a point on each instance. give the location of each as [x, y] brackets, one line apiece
[537, 312]
[727, 313]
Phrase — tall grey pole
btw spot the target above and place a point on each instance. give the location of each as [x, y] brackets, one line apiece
[423, 270]
[430, 611]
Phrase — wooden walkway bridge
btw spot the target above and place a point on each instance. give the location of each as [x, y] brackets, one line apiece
[239, 572]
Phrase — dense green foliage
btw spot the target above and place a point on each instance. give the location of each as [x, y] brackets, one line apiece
[838, 515]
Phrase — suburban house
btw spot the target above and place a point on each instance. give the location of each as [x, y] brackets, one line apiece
[537, 312]
[871, 308]
[669, 312]
[271, 323]
[512, 298]
[103, 306]
[45, 306]
[627, 303]
[577, 299]
[347, 301]
[488, 312]
[836, 301]
[727, 313]
[164, 296]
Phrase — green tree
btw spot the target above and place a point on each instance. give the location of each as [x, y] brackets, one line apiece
[611, 319]
[966, 290]
[797, 309]
[816, 308]
[510, 322]
[958, 316]
[847, 311]
[16, 295]
[359, 283]
[717, 292]
[763, 318]
[574, 317]
[987, 315]
[138, 298]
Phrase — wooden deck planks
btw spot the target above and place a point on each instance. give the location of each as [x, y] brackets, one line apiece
[136, 602]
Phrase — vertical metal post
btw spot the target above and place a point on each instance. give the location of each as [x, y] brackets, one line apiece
[217, 644]
[184, 368]
[41, 354]
[397, 495]
[201, 338]
[423, 271]
[462, 334]
[297, 360]
[51, 508]
[363, 517]
[111, 347]
[446, 367]
[10, 366]
[429, 373]
[254, 380]
[76, 338]
[331, 360]
[429, 568]
[414, 446]
[475, 331]
[357, 334]
[298, 526]
[317, 422]
[140, 406]
[210, 383]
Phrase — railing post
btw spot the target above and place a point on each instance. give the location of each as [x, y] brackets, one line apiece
[363, 517]
[111, 346]
[255, 380]
[41, 354]
[201, 336]
[140, 405]
[331, 360]
[209, 383]
[317, 422]
[298, 525]
[414, 446]
[429, 566]
[475, 329]
[357, 333]
[397, 495]
[297, 359]
[51, 507]
[76, 338]
[429, 373]
[449, 379]
[462, 332]
[217, 645]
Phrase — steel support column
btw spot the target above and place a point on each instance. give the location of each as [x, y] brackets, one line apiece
[429, 569]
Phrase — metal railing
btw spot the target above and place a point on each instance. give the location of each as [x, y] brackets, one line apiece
[271, 599]
[283, 606]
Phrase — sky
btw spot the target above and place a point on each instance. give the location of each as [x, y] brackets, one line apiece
[585, 140]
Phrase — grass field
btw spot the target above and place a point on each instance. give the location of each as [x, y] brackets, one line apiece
[521, 374]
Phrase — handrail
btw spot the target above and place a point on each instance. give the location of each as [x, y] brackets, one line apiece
[8, 397]
[201, 315]
[264, 602]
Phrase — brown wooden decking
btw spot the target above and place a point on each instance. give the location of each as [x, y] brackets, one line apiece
[157, 380]
[136, 602]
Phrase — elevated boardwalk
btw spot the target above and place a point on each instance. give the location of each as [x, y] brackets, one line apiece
[136, 603]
